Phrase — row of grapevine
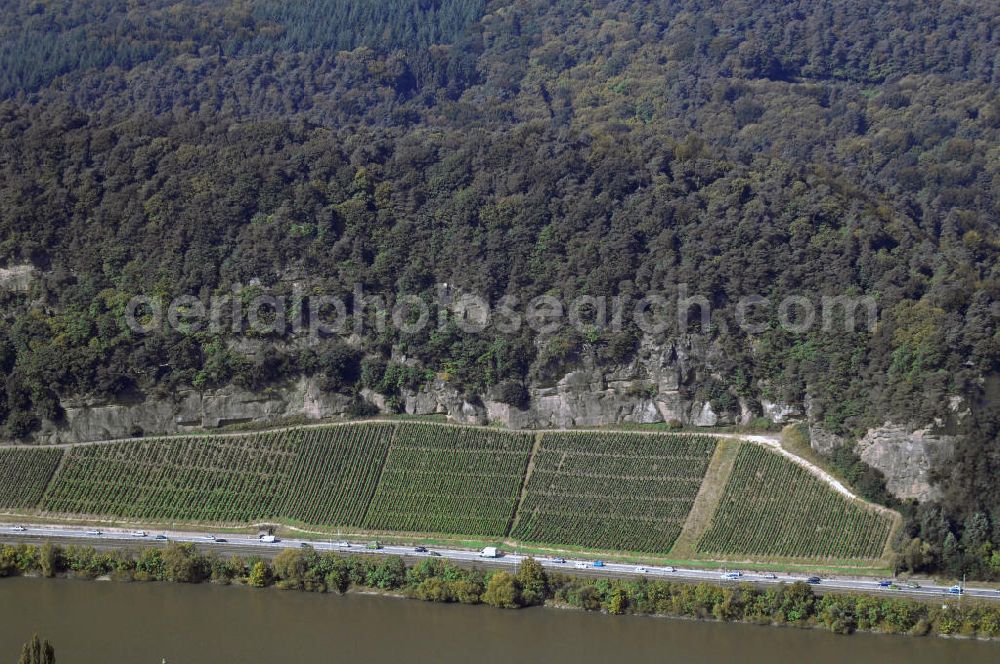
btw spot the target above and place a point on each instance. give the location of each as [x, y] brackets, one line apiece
[335, 474]
[772, 507]
[613, 490]
[24, 475]
[217, 479]
[380, 476]
[451, 480]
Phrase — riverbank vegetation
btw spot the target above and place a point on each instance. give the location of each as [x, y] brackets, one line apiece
[529, 584]
[37, 651]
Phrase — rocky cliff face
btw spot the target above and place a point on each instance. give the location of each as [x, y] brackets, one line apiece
[660, 385]
[906, 456]
[190, 411]
[17, 278]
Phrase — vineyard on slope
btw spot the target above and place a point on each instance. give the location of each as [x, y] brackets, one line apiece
[335, 474]
[613, 490]
[24, 474]
[772, 507]
[596, 490]
[217, 479]
[408, 477]
[455, 480]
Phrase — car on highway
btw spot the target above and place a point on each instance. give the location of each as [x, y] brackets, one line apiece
[732, 576]
[18, 529]
[581, 565]
[221, 540]
[598, 563]
[912, 584]
[668, 568]
[956, 590]
[138, 533]
[640, 570]
[420, 549]
[374, 546]
[433, 553]
[813, 580]
[770, 575]
[344, 545]
[305, 545]
[97, 533]
[208, 538]
[560, 561]
[161, 537]
[884, 583]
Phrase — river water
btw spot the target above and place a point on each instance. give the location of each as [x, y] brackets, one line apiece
[109, 623]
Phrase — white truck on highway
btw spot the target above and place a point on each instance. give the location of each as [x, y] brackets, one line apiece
[489, 552]
[268, 539]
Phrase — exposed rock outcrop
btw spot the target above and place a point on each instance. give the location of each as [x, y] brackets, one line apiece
[17, 278]
[780, 413]
[191, 410]
[906, 457]
[659, 385]
[704, 416]
[823, 441]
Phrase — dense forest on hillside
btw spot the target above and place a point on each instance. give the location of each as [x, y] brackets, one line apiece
[515, 147]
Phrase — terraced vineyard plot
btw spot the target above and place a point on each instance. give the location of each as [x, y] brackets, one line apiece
[336, 473]
[24, 474]
[218, 479]
[607, 490]
[452, 480]
[772, 507]
[613, 490]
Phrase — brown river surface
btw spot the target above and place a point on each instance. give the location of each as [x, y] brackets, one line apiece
[107, 622]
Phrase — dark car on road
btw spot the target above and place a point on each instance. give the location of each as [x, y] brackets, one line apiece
[813, 580]
[420, 549]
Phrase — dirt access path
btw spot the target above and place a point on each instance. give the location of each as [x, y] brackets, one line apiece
[705, 503]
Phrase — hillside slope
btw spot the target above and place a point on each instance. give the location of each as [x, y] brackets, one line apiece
[519, 148]
[617, 492]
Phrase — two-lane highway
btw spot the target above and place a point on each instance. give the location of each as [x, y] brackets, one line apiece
[242, 544]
